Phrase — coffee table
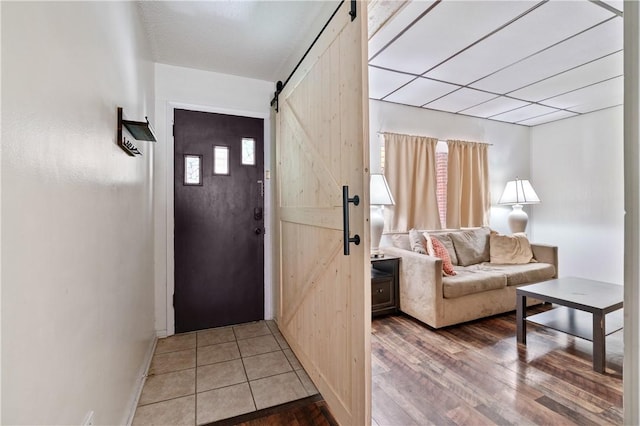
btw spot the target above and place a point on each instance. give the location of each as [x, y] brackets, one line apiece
[584, 305]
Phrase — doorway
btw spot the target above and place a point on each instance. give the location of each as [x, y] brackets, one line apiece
[219, 219]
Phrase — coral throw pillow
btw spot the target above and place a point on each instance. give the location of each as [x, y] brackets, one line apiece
[441, 251]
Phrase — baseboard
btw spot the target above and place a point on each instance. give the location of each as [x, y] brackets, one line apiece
[142, 377]
[160, 334]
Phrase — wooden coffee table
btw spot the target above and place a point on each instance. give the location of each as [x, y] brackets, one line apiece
[584, 305]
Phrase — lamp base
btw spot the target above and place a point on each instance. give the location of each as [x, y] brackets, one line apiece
[518, 219]
[377, 224]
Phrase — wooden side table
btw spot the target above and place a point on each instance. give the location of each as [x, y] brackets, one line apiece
[385, 279]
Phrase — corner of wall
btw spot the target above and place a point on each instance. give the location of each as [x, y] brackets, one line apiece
[141, 379]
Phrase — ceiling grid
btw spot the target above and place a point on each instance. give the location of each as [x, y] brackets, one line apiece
[523, 62]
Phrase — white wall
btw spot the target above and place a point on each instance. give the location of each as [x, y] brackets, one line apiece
[178, 87]
[508, 157]
[77, 241]
[577, 170]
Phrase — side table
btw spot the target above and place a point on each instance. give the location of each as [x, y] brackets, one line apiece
[385, 279]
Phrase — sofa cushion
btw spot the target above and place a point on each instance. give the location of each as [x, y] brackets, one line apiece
[445, 239]
[401, 241]
[437, 249]
[527, 273]
[510, 249]
[470, 280]
[472, 246]
[418, 243]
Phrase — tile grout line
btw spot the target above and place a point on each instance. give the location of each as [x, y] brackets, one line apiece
[164, 400]
[195, 389]
[244, 368]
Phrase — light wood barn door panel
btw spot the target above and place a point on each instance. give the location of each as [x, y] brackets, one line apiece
[322, 144]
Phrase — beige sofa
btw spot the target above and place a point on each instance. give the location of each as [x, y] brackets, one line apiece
[477, 291]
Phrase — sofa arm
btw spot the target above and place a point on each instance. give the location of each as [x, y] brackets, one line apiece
[420, 284]
[546, 254]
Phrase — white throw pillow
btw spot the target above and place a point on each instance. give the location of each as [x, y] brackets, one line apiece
[510, 249]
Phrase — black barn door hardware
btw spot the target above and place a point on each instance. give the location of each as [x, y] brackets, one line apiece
[280, 85]
[345, 219]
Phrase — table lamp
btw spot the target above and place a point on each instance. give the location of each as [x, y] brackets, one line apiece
[380, 196]
[516, 193]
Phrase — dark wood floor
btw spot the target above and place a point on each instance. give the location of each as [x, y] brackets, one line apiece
[476, 374]
[311, 411]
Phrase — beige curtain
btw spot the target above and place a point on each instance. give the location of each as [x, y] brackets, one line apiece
[468, 197]
[410, 169]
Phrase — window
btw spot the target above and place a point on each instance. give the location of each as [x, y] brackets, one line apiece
[192, 169]
[220, 160]
[248, 151]
[442, 154]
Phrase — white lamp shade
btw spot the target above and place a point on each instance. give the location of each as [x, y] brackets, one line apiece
[519, 191]
[379, 193]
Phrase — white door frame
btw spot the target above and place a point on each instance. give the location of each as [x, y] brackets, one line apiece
[268, 255]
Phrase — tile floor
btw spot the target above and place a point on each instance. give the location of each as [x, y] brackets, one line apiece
[214, 374]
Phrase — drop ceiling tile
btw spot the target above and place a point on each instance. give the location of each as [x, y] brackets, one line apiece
[459, 100]
[396, 24]
[420, 92]
[612, 100]
[445, 30]
[524, 113]
[544, 26]
[595, 43]
[602, 95]
[590, 73]
[494, 106]
[383, 82]
[547, 118]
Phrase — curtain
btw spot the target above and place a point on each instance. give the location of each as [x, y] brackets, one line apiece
[468, 197]
[410, 169]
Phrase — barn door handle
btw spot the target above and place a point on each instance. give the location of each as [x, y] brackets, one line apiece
[345, 219]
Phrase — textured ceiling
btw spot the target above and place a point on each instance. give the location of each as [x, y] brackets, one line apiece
[524, 62]
[257, 39]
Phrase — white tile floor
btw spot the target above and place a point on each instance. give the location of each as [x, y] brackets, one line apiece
[210, 375]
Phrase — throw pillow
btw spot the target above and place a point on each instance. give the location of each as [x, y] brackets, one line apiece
[401, 241]
[417, 242]
[510, 249]
[446, 241]
[440, 251]
[428, 245]
[472, 246]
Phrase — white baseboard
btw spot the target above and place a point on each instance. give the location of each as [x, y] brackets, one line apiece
[161, 334]
[142, 377]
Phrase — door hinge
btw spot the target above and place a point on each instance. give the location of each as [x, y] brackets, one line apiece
[174, 300]
[353, 12]
[173, 130]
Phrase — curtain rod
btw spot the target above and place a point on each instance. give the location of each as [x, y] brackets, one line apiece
[439, 140]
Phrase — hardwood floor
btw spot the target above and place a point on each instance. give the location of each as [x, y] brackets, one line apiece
[476, 374]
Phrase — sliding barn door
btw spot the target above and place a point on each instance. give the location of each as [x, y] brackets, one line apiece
[322, 144]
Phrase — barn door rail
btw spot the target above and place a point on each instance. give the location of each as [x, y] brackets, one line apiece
[280, 85]
[345, 219]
